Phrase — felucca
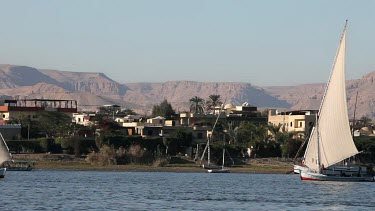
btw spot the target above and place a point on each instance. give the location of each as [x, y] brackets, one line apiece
[331, 142]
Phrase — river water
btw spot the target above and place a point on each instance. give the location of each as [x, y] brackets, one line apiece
[95, 190]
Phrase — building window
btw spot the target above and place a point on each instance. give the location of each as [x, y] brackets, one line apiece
[3, 115]
[199, 135]
[300, 124]
[149, 132]
[291, 124]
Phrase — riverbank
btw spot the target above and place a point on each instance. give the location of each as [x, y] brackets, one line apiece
[68, 162]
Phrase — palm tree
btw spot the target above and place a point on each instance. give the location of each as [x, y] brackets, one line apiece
[285, 138]
[232, 132]
[212, 102]
[275, 129]
[196, 105]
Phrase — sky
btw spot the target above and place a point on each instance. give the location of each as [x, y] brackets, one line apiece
[264, 42]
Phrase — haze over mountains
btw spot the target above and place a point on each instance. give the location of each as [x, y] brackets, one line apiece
[95, 89]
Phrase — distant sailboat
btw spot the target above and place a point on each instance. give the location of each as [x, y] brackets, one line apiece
[209, 165]
[222, 169]
[331, 141]
[4, 156]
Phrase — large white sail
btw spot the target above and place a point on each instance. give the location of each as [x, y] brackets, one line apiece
[335, 140]
[4, 152]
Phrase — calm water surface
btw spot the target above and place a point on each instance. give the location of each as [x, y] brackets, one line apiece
[91, 190]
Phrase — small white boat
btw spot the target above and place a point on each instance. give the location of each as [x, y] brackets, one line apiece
[221, 170]
[331, 141]
[4, 156]
[210, 166]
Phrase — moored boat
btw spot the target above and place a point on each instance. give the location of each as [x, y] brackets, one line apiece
[221, 170]
[20, 166]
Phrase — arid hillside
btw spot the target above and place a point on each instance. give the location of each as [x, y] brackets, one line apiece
[309, 96]
[94, 89]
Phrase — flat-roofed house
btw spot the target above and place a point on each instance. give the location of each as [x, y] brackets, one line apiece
[299, 121]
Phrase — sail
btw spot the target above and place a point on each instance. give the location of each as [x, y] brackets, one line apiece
[333, 129]
[4, 152]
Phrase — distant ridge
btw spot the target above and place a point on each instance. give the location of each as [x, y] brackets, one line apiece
[92, 89]
[309, 96]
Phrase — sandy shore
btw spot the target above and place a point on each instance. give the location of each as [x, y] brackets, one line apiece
[68, 162]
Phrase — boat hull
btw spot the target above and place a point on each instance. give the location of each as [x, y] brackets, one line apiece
[20, 165]
[322, 177]
[2, 172]
[18, 168]
[218, 171]
[210, 166]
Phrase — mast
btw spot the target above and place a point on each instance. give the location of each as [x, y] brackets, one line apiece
[209, 138]
[355, 108]
[318, 147]
[222, 165]
[208, 151]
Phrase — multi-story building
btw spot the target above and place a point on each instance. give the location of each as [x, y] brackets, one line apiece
[244, 113]
[299, 121]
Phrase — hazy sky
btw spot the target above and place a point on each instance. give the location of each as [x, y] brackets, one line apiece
[261, 42]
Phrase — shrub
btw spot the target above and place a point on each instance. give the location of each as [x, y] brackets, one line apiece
[160, 162]
[106, 156]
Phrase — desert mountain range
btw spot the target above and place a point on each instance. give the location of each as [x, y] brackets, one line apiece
[95, 89]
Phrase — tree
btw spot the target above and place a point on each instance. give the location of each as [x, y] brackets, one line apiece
[275, 129]
[166, 142]
[53, 123]
[289, 144]
[196, 105]
[184, 139]
[47, 124]
[29, 127]
[164, 109]
[232, 132]
[212, 102]
[110, 110]
[246, 134]
[128, 111]
[255, 137]
[365, 121]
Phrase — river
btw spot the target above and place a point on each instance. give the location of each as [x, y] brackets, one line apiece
[98, 190]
